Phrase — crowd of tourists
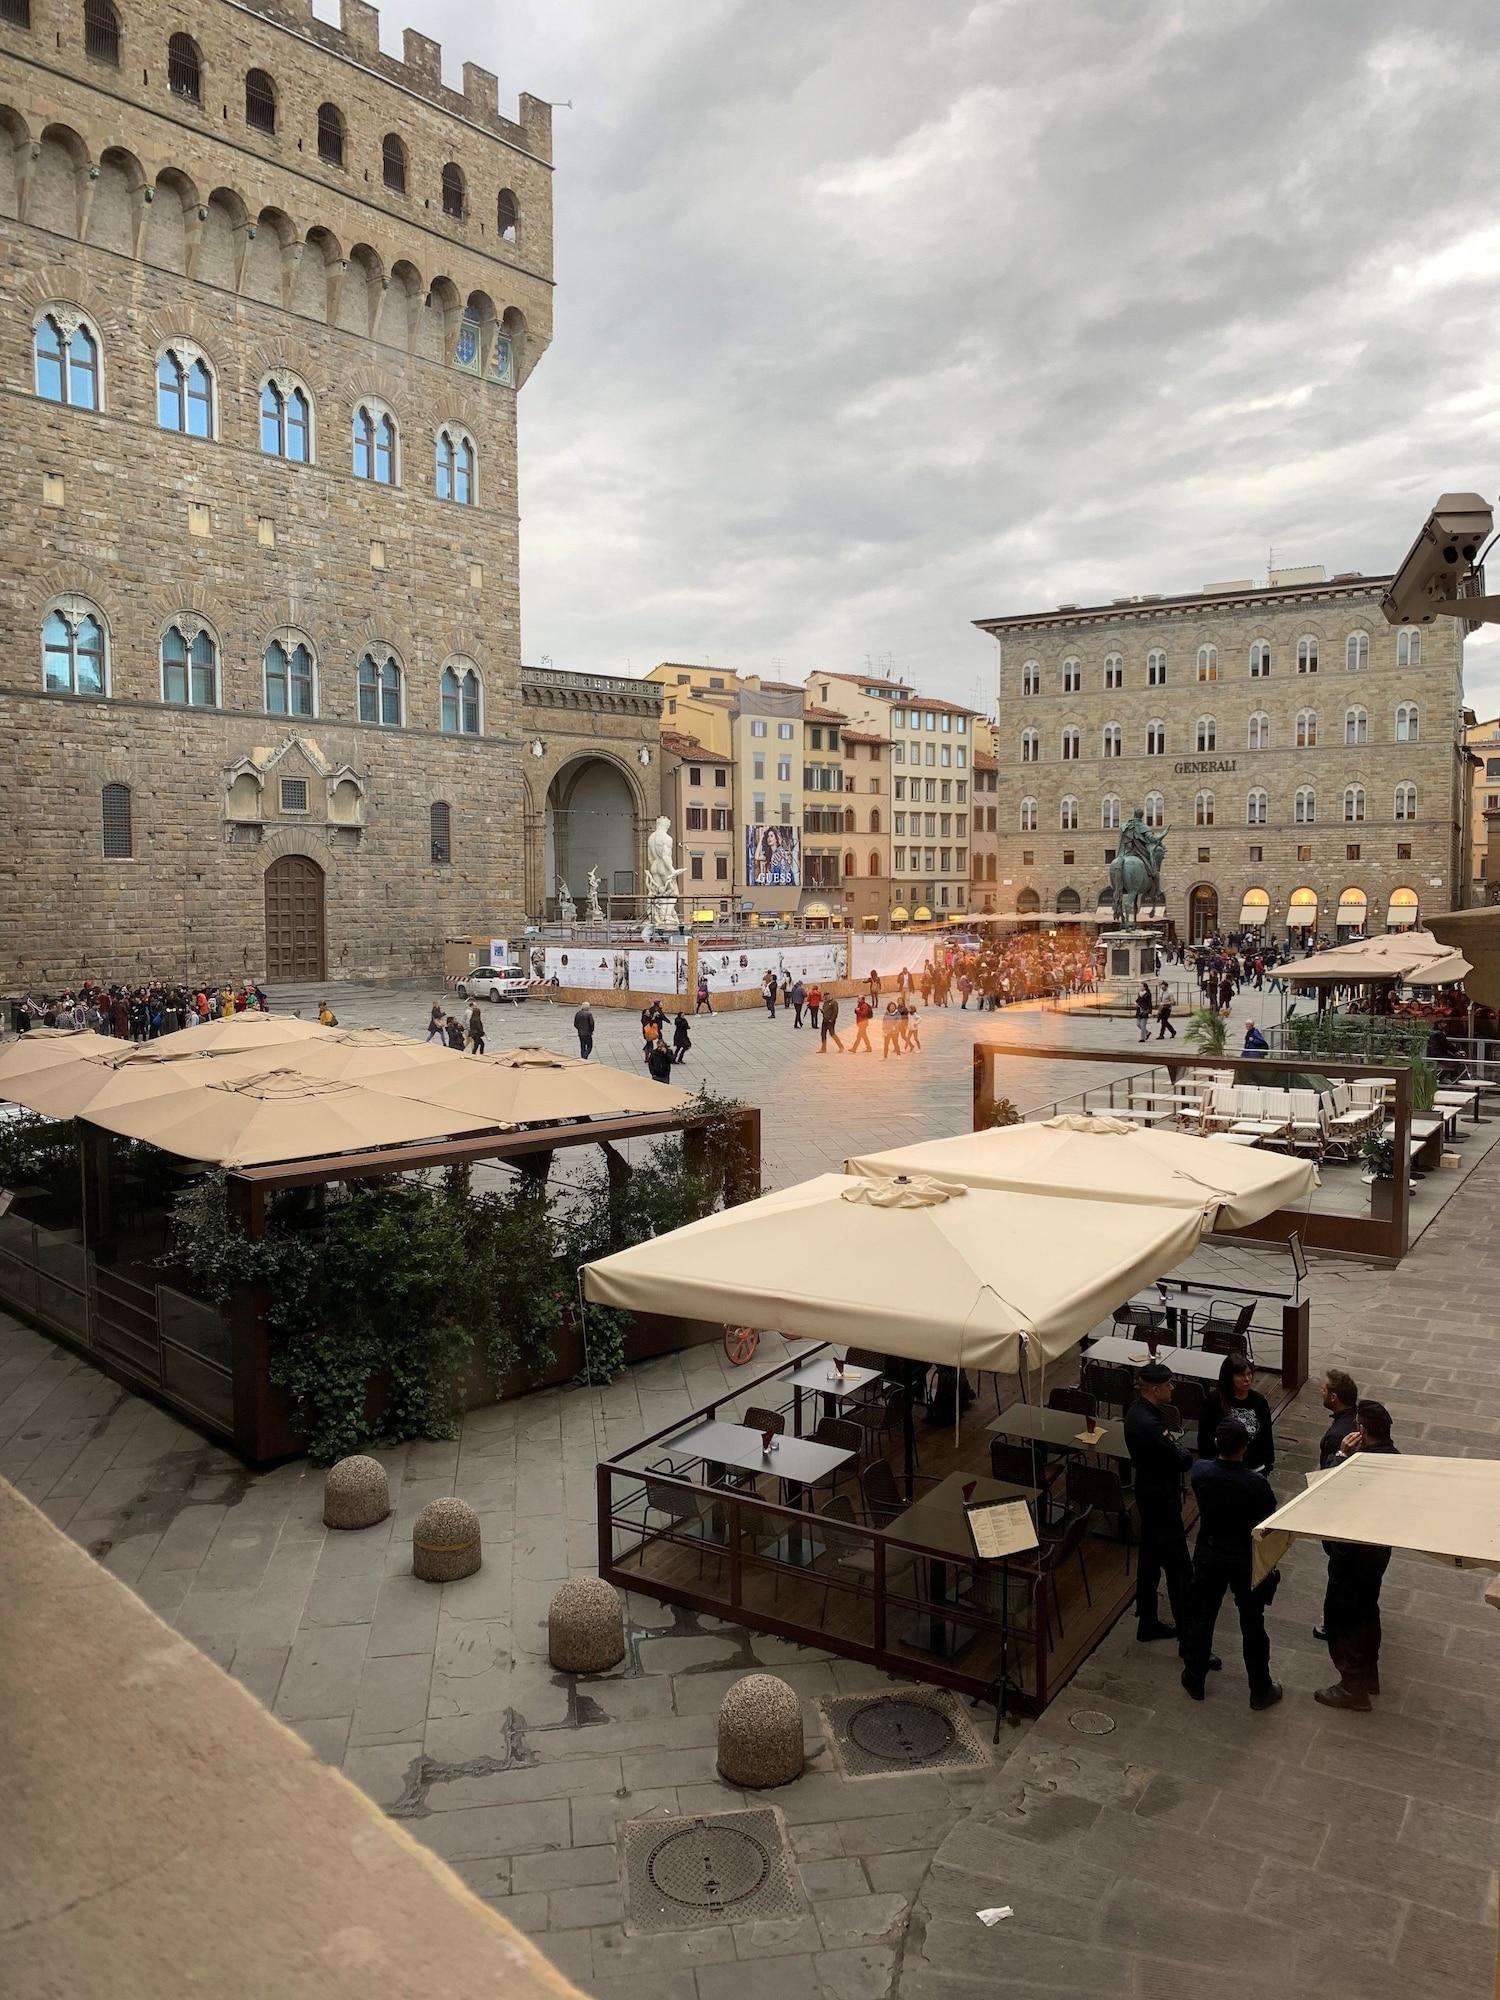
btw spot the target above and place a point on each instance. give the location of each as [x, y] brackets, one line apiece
[134, 1013]
[1020, 967]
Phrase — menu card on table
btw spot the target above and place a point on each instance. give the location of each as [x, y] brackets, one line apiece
[1000, 1528]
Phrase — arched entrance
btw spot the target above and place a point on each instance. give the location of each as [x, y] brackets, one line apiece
[1302, 914]
[1354, 910]
[1203, 912]
[1028, 903]
[590, 822]
[1069, 903]
[294, 919]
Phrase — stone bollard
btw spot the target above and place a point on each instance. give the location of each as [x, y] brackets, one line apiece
[445, 1541]
[355, 1493]
[760, 1733]
[585, 1626]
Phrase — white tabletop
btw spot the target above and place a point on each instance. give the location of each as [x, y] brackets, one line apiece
[818, 1374]
[1135, 1354]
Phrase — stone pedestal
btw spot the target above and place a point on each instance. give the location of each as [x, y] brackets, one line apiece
[1126, 957]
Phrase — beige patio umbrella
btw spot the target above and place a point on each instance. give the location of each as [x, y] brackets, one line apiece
[43, 1050]
[1396, 955]
[1109, 1159]
[239, 1031]
[533, 1087]
[274, 1117]
[117, 1071]
[1446, 1508]
[347, 1055]
[974, 1278]
[1445, 971]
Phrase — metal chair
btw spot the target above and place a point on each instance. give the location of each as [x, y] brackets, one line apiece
[1052, 1554]
[679, 1507]
[878, 1416]
[1135, 1318]
[1074, 1399]
[1225, 1329]
[884, 1499]
[1171, 1416]
[843, 1435]
[1098, 1489]
[1187, 1399]
[1111, 1383]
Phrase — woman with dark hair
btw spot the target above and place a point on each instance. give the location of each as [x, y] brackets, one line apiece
[1351, 1603]
[1235, 1397]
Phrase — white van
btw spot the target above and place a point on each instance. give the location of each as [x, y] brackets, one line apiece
[494, 982]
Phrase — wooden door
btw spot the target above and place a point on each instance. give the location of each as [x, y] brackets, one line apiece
[294, 919]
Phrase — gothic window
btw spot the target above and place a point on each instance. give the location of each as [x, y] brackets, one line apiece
[1031, 677]
[75, 649]
[1071, 745]
[1356, 652]
[1207, 733]
[1256, 807]
[453, 192]
[1114, 671]
[330, 135]
[286, 419]
[65, 349]
[1406, 801]
[1406, 722]
[1028, 815]
[1307, 729]
[1259, 734]
[116, 829]
[1109, 813]
[1307, 656]
[1260, 660]
[260, 101]
[1203, 809]
[393, 162]
[1208, 663]
[1153, 811]
[440, 821]
[507, 216]
[455, 465]
[1113, 740]
[1072, 676]
[185, 391]
[101, 32]
[1068, 816]
[189, 666]
[185, 69]
[1031, 747]
[380, 689]
[1305, 807]
[1354, 803]
[1408, 648]
[460, 701]
[289, 677]
[1156, 739]
[1356, 727]
[375, 444]
[1156, 669]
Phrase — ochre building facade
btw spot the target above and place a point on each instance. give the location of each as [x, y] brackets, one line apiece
[1304, 761]
[269, 298]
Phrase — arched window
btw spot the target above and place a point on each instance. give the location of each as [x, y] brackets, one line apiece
[393, 162]
[330, 135]
[1356, 652]
[1072, 743]
[460, 701]
[1356, 726]
[1408, 648]
[1203, 809]
[1406, 722]
[1114, 671]
[286, 419]
[1307, 656]
[1354, 804]
[1257, 804]
[375, 444]
[1153, 810]
[455, 465]
[874, 819]
[1208, 663]
[1258, 736]
[1067, 815]
[1028, 903]
[189, 666]
[1031, 747]
[453, 191]
[507, 216]
[114, 803]
[1305, 806]
[849, 826]
[380, 689]
[1307, 729]
[1206, 733]
[101, 32]
[1031, 677]
[1028, 815]
[1156, 670]
[1260, 660]
[65, 349]
[1072, 676]
[469, 350]
[441, 827]
[1406, 801]
[185, 391]
[1069, 902]
[185, 69]
[848, 862]
[1156, 739]
[260, 101]
[74, 648]
[288, 665]
[872, 867]
[1113, 740]
[1109, 813]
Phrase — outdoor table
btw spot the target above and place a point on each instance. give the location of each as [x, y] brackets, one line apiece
[938, 1525]
[817, 1377]
[1058, 1430]
[1235, 1138]
[1140, 1117]
[1459, 1096]
[1134, 1354]
[799, 1462]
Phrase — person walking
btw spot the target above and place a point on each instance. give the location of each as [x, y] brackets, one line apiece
[453, 1028]
[1351, 1603]
[863, 1012]
[828, 1030]
[1143, 1012]
[909, 1022]
[874, 991]
[1232, 1501]
[796, 999]
[890, 1022]
[704, 1004]
[682, 1041]
[659, 1062]
[965, 988]
[1164, 1017]
[768, 993]
[1235, 1398]
[583, 1028]
[814, 1004]
[1159, 1462]
[1255, 1043]
[476, 1031]
[786, 989]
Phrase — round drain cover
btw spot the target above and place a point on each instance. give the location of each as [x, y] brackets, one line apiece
[901, 1732]
[709, 1867]
[1091, 1721]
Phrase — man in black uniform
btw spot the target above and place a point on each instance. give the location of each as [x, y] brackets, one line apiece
[1339, 1398]
[1232, 1499]
[1159, 1462]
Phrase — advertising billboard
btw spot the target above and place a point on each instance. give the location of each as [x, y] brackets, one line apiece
[773, 857]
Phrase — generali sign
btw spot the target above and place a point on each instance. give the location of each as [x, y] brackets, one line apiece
[1203, 767]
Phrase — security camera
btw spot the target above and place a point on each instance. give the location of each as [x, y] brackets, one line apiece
[1440, 562]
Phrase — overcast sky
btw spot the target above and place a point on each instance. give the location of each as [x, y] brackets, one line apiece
[877, 316]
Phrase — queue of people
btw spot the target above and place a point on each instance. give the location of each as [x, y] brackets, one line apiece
[135, 1013]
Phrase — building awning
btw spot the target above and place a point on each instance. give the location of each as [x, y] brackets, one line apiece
[1401, 916]
[924, 915]
[1255, 913]
[900, 916]
[1305, 915]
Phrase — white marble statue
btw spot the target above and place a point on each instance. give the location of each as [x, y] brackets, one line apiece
[567, 909]
[595, 913]
[662, 877]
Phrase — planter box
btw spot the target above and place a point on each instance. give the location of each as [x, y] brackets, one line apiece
[1382, 1199]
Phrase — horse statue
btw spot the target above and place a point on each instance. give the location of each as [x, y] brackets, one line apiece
[1135, 872]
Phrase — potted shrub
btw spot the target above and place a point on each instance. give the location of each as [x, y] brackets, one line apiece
[1206, 1031]
[1378, 1157]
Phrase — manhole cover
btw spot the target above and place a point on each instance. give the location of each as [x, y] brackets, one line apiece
[681, 1874]
[917, 1729]
[1091, 1721]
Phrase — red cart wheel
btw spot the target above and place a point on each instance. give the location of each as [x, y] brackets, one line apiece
[740, 1343]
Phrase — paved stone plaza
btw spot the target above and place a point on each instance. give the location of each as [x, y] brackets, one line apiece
[1146, 1845]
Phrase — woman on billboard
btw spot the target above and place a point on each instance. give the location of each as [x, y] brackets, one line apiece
[773, 857]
